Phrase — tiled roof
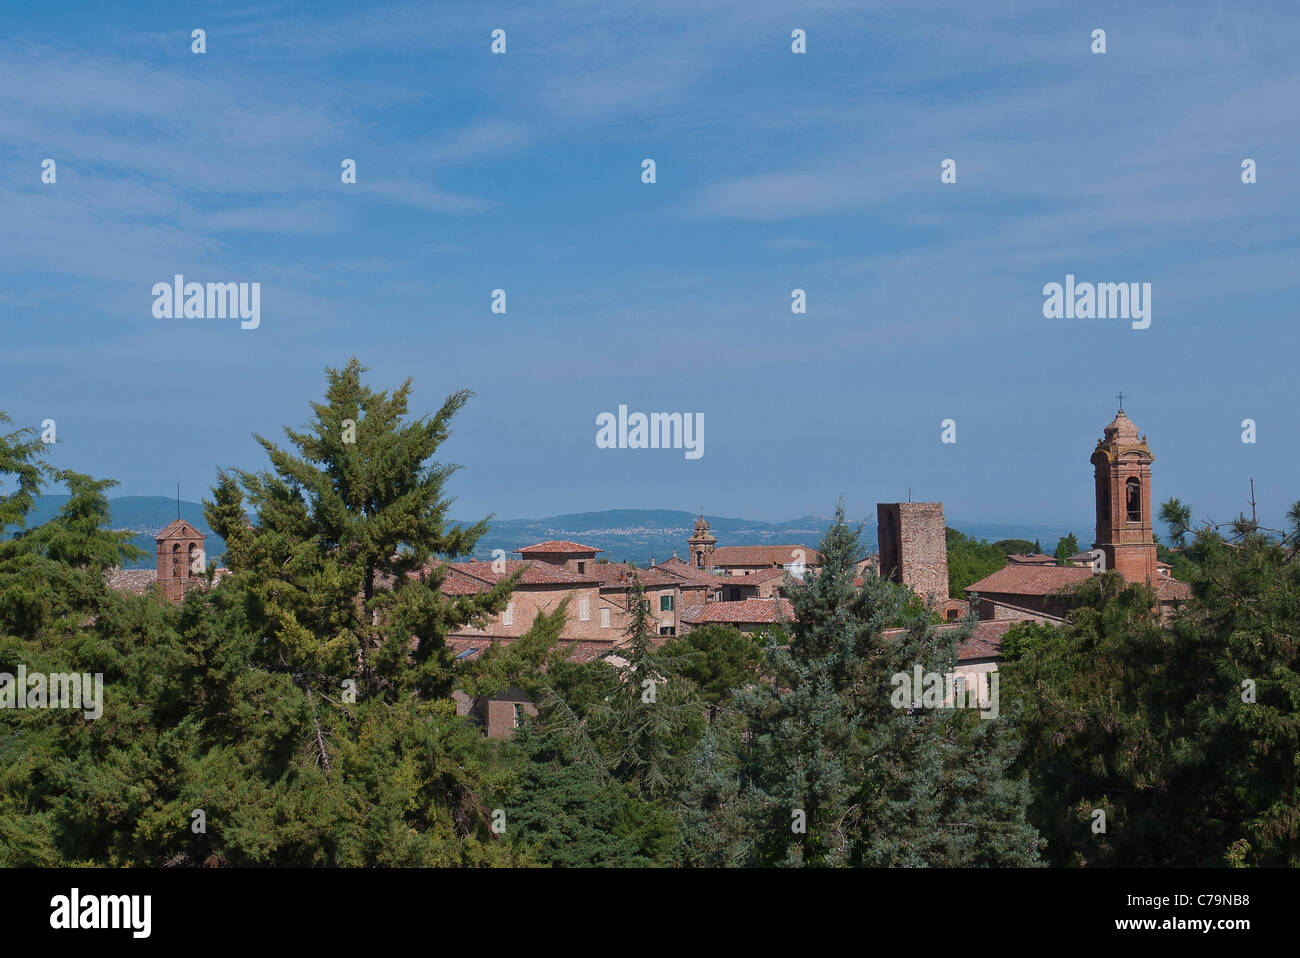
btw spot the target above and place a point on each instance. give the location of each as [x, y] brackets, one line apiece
[1031, 579]
[984, 641]
[755, 577]
[557, 547]
[131, 580]
[1033, 558]
[620, 574]
[178, 529]
[687, 575]
[758, 611]
[538, 573]
[763, 555]
[1171, 590]
[138, 581]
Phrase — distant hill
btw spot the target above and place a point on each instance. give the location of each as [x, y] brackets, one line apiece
[624, 534]
[145, 516]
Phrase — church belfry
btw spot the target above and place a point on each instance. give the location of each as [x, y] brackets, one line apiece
[180, 558]
[701, 545]
[1122, 467]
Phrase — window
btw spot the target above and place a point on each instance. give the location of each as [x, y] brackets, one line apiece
[699, 560]
[604, 618]
[508, 616]
[1103, 501]
[584, 610]
[667, 630]
[519, 715]
[665, 603]
[960, 688]
[582, 567]
[1133, 498]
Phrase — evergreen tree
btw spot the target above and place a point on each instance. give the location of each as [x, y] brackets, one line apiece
[1065, 548]
[831, 773]
[1182, 731]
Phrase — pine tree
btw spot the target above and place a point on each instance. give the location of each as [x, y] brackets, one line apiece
[653, 716]
[338, 565]
[831, 773]
[1066, 547]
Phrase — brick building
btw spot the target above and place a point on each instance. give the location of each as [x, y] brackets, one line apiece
[914, 547]
[180, 565]
[1125, 540]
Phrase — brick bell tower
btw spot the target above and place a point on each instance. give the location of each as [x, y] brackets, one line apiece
[701, 545]
[180, 558]
[1122, 466]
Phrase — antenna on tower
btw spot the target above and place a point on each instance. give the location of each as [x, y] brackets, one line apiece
[178, 500]
[1254, 523]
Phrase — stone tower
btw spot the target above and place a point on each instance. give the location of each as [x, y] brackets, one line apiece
[701, 545]
[180, 558]
[914, 546]
[1122, 464]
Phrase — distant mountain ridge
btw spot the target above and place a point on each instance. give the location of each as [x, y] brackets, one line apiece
[635, 535]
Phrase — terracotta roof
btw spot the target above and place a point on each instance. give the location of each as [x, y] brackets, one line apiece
[755, 577]
[178, 529]
[1031, 579]
[758, 611]
[138, 581]
[984, 641]
[690, 576]
[619, 574]
[131, 580]
[538, 573]
[557, 547]
[1171, 590]
[763, 555]
[1033, 558]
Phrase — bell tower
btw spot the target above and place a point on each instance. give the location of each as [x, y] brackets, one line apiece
[180, 558]
[1122, 467]
[701, 545]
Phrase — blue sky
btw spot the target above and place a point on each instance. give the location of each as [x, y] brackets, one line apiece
[775, 171]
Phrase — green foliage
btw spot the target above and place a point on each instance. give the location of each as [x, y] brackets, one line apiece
[1017, 547]
[718, 658]
[1066, 547]
[824, 770]
[235, 702]
[970, 560]
[1151, 722]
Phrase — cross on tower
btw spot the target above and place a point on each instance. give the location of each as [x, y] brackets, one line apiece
[1121, 400]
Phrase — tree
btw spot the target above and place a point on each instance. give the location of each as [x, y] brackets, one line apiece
[341, 570]
[300, 706]
[1065, 548]
[718, 658]
[970, 560]
[1180, 730]
[827, 771]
